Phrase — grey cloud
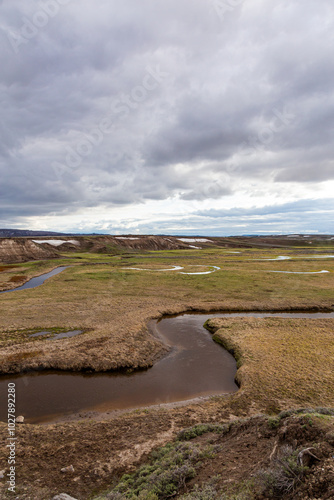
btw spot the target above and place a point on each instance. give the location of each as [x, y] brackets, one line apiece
[298, 207]
[212, 112]
[206, 191]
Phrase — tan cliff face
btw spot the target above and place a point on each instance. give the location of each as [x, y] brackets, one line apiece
[23, 250]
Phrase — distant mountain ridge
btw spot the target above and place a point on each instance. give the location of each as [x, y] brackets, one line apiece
[10, 233]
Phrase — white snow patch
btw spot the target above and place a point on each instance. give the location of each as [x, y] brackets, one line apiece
[280, 257]
[214, 269]
[197, 248]
[57, 243]
[299, 272]
[174, 268]
[319, 257]
[194, 240]
[126, 238]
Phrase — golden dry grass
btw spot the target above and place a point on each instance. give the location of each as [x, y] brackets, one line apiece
[99, 294]
[283, 362]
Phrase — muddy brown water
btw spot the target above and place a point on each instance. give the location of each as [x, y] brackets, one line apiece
[195, 366]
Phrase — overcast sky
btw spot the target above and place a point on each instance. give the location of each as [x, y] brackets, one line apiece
[176, 117]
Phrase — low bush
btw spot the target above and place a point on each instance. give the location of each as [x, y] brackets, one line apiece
[283, 476]
[207, 491]
[200, 429]
[169, 469]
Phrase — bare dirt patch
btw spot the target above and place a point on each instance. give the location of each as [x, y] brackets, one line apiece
[101, 452]
[17, 279]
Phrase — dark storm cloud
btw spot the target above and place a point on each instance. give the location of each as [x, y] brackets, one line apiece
[122, 102]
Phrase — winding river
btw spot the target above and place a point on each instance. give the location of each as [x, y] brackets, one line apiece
[39, 280]
[195, 367]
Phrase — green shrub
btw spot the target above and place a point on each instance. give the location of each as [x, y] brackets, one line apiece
[206, 492]
[210, 491]
[283, 476]
[170, 467]
[273, 422]
[200, 429]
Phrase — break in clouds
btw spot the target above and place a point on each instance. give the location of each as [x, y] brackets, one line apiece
[197, 103]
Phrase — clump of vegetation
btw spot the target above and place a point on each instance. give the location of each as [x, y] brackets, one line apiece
[169, 469]
[274, 422]
[198, 430]
[208, 491]
[17, 279]
[211, 491]
[19, 356]
[283, 476]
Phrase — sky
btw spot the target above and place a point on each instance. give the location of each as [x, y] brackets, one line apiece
[192, 117]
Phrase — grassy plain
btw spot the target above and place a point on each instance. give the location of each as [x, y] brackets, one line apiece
[283, 363]
[100, 295]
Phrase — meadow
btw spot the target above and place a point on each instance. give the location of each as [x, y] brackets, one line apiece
[100, 295]
[283, 364]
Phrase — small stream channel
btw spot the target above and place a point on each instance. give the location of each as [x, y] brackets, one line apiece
[195, 366]
[39, 280]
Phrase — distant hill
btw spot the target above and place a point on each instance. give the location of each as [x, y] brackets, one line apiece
[12, 233]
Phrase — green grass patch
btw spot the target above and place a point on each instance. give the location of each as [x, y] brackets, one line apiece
[164, 475]
[200, 429]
